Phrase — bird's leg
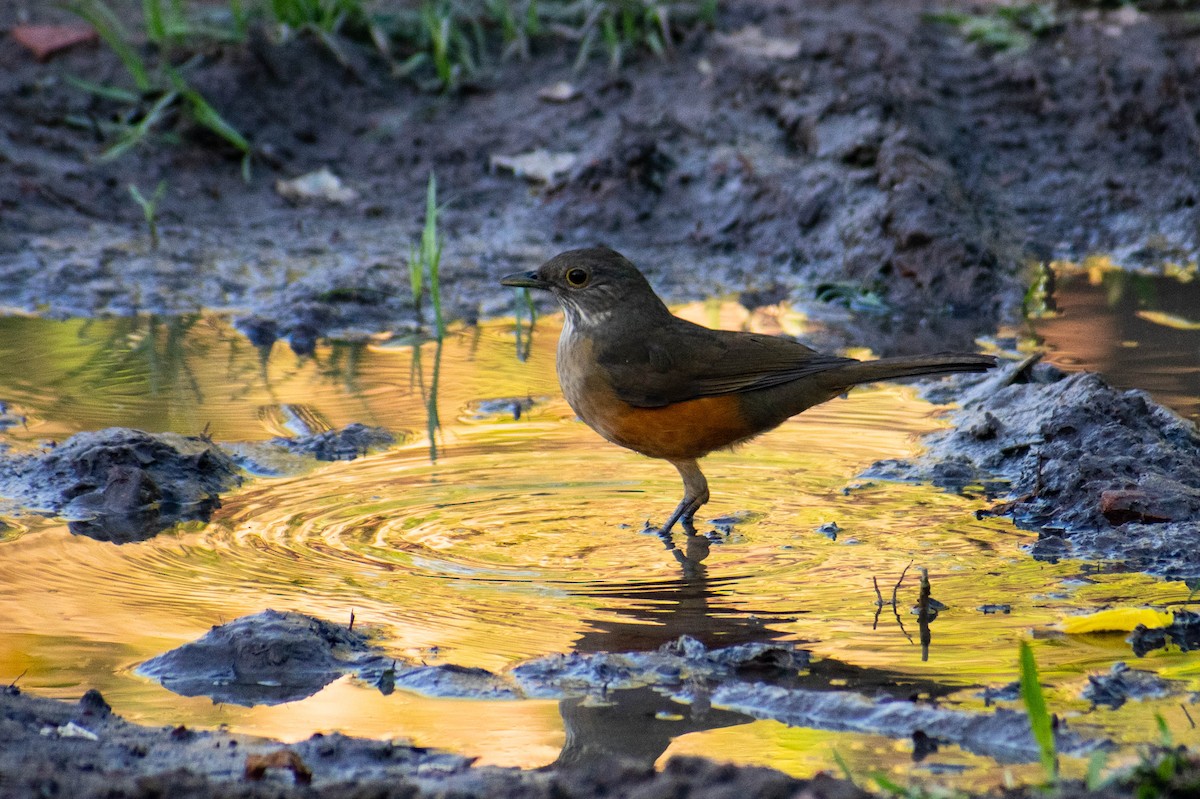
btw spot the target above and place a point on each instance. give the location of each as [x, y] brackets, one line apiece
[695, 494]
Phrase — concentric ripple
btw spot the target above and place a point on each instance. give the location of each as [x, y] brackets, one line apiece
[523, 537]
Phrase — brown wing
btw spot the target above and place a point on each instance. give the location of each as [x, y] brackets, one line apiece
[683, 361]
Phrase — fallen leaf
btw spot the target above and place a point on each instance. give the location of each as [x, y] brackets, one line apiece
[1121, 620]
[46, 40]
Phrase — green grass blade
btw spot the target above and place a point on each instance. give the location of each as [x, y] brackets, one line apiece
[137, 133]
[1164, 732]
[844, 766]
[1040, 723]
[431, 253]
[100, 90]
[238, 12]
[156, 28]
[109, 28]
[1095, 770]
[887, 784]
[206, 115]
[416, 275]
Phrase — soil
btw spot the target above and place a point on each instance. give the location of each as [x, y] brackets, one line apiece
[1098, 473]
[855, 150]
[53, 748]
[863, 150]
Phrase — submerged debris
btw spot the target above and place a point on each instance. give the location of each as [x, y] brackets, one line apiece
[1122, 683]
[503, 406]
[1099, 472]
[346, 444]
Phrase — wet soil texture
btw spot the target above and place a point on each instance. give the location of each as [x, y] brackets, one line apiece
[862, 149]
[1099, 473]
[124, 485]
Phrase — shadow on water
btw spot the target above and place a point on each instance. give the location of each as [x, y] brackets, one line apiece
[640, 724]
[508, 531]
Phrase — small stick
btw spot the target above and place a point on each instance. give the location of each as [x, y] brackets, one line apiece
[878, 602]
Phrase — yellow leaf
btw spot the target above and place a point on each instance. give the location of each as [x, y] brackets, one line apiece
[1116, 620]
[1169, 320]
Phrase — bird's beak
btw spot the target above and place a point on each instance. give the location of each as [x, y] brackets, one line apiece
[528, 280]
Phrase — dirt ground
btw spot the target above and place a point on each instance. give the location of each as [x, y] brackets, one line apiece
[854, 149]
[796, 146]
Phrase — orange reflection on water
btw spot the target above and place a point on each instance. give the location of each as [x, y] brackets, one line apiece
[522, 539]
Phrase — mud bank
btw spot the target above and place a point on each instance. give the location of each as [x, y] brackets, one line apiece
[124, 485]
[1099, 473]
[52, 749]
[863, 151]
[271, 657]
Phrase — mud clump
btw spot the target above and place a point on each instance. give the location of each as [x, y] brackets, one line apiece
[672, 666]
[122, 485]
[1183, 632]
[1099, 473]
[265, 659]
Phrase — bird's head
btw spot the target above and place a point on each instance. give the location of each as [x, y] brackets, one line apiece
[592, 284]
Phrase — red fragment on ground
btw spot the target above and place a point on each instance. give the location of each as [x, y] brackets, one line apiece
[257, 765]
[1132, 505]
[46, 40]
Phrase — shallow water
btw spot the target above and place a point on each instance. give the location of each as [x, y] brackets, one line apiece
[523, 538]
[1139, 330]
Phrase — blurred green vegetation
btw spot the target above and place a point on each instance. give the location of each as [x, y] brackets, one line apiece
[439, 44]
[1003, 27]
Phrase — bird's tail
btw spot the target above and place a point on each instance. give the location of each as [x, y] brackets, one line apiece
[915, 366]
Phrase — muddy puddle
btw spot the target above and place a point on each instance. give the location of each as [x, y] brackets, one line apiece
[514, 533]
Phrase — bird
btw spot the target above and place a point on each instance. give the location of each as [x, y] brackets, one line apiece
[667, 388]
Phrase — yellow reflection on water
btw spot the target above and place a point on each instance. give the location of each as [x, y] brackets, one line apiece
[520, 540]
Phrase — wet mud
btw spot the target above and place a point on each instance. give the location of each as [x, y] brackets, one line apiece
[857, 152]
[867, 153]
[1099, 473]
[83, 750]
[272, 657]
[124, 485]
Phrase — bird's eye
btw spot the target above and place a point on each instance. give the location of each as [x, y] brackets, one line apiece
[577, 277]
